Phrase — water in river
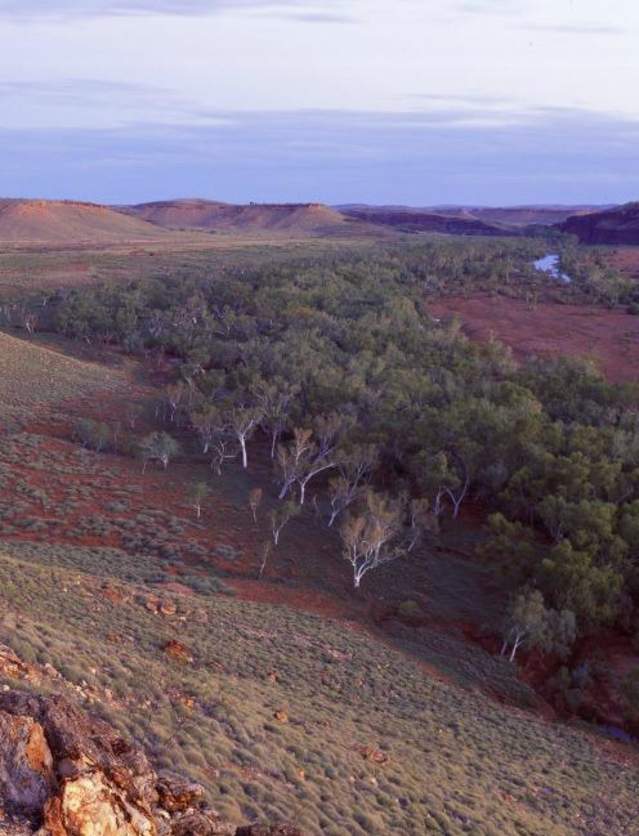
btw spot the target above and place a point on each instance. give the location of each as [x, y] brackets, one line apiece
[550, 264]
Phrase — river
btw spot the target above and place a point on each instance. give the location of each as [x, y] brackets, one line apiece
[550, 264]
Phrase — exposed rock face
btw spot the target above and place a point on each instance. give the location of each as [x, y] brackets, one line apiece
[178, 651]
[13, 667]
[63, 773]
[26, 775]
[615, 226]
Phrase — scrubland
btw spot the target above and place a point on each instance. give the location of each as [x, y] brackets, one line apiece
[292, 696]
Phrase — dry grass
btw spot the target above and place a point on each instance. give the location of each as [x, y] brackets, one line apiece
[34, 377]
[31, 269]
[281, 713]
[288, 715]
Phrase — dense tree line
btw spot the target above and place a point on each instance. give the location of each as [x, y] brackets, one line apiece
[399, 419]
[594, 279]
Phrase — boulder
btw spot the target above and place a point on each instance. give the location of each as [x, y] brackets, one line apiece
[268, 830]
[64, 773]
[12, 667]
[178, 651]
[201, 823]
[178, 794]
[26, 773]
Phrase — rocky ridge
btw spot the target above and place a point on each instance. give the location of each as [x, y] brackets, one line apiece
[617, 226]
[65, 773]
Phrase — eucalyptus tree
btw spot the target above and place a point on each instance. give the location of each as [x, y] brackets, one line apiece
[372, 538]
[158, 446]
[355, 467]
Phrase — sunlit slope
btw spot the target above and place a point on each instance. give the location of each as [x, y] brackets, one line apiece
[293, 716]
[67, 222]
[32, 375]
[290, 218]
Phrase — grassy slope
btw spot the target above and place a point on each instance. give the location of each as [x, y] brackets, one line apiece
[294, 219]
[35, 377]
[458, 761]
[34, 269]
[59, 222]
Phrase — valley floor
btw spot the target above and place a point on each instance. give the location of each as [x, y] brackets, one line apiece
[609, 338]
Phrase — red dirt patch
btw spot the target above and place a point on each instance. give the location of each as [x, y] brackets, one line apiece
[68, 221]
[610, 338]
[307, 600]
[626, 260]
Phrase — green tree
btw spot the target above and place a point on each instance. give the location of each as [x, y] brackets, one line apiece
[531, 623]
[198, 493]
[574, 581]
[158, 446]
[371, 539]
[281, 516]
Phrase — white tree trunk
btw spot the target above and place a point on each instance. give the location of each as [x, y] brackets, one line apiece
[516, 646]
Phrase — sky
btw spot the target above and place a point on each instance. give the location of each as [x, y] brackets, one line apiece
[420, 102]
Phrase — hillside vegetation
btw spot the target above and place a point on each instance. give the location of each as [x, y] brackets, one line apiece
[338, 363]
[34, 376]
[302, 561]
[290, 716]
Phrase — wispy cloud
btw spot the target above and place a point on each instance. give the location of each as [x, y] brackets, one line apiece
[463, 98]
[47, 9]
[491, 7]
[553, 155]
[104, 103]
[313, 17]
[77, 90]
[575, 29]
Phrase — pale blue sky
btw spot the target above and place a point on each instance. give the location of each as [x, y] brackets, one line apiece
[411, 101]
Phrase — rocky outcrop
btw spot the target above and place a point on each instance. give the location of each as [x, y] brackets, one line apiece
[63, 773]
[615, 226]
[12, 667]
[26, 765]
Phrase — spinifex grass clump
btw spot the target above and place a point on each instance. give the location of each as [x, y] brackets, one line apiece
[286, 715]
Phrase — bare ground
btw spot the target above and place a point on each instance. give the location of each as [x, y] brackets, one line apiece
[610, 338]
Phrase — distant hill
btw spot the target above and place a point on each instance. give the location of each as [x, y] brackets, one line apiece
[527, 215]
[415, 220]
[614, 226]
[293, 218]
[509, 216]
[66, 222]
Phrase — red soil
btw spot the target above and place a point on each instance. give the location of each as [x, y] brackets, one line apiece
[626, 260]
[610, 338]
[66, 221]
